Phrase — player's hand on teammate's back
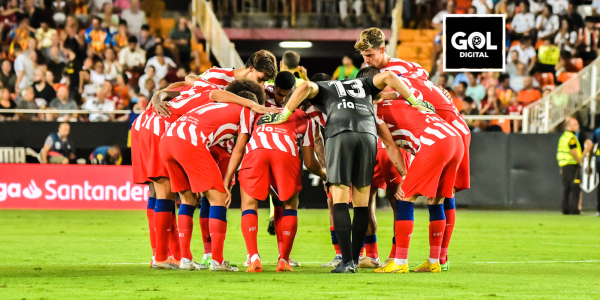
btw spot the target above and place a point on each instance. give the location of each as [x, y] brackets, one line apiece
[385, 96]
[272, 119]
[259, 109]
[424, 106]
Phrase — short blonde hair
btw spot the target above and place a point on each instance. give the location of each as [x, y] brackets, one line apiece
[372, 38]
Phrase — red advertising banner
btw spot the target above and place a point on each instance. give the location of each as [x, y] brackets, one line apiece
[35, 186]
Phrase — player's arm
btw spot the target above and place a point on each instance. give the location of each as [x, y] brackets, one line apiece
[588, 147]
[573, 151]
[190, 79]
[391, 148]
[176, 85]
[311, 162]
[227, 97]
[306, 90]
[234, 163]
[389, 78]
[44, 153]
[319, 146]
[159, 101]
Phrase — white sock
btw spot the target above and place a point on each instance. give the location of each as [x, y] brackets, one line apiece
[433, 260]
[400, 261]
[206, 255]
[254, 257]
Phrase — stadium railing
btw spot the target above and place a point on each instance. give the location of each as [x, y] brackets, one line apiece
[578, 93]
[65, 111]
[217, 41]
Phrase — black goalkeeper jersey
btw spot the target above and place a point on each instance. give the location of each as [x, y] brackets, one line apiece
[348, 105]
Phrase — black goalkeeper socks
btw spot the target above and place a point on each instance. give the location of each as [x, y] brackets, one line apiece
[343, 228]
[360, 224]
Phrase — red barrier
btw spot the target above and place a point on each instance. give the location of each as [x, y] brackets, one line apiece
[34, 186]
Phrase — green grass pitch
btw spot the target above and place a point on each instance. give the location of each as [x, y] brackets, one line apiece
[105, 255]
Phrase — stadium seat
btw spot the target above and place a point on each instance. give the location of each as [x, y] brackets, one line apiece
[416, 45]
[564, 76]
[165, 26]
[577, 62]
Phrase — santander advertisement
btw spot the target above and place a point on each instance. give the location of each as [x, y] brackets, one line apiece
[35, 186]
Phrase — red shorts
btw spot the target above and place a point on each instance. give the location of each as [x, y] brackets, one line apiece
[463, 176]
[137, 158]
[155, 167]
[262, 168]
[385, 171]
[221, 157]
[433, 171]
[190, 167]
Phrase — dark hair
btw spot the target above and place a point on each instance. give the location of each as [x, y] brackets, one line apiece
[549, 7]
[291, 59]
[248, 95]
[146, 27]
[21, 18]
[503, 77]
[122, 22]
[98, 19]
[263, 61]
[468, 100]
[285, 80]
[116, 147]
[565, 55]
[464, 84]
[367, 72]
[525, 39]
[320, 77]
[132, 39]
[17, 48]
[244, 84]
[444, 75]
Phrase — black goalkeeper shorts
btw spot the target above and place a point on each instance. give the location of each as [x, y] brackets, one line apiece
[351, 158]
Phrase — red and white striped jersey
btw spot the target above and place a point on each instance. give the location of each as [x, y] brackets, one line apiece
[411, 128]
[426, 90]
[220, 77]
[401, 67]
[190, 99]
[212, 123]
[284, 136]
[318, 116]
[149, 120]
[270, 93]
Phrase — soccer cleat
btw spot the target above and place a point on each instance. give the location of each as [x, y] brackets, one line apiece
[255, 267]
[392, 267]
[428, 267]
[387, 261]
[152, 261]
[283, 266]
[165, 265]
[369, 263]
[225, 266]
[206, 262]
[294, 263]
[189, 265]
[271, 227]
[349, 267]
[334, 263]
[247, 262]
[445, 267]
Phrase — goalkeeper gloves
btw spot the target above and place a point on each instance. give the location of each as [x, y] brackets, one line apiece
[274, 119]
[420, 104]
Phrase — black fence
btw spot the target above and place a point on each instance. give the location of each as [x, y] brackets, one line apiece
[514, 171]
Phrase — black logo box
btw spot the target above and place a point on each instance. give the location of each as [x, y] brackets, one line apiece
[468, 24]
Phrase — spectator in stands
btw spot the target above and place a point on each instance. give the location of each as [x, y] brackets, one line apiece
[528, 94]
[346, 71]
[97, 37]
[24, 69]
[134, 16]
[60, 10]
[565, 65]
[122, 89]
[489, 79]
[522, 23]
[80, 10]
[291, 62]
[42, 90]
[515, 109]
[132, 57]
[546, 23]
[516, 81]
[145, 38]
[100, 103]
[120, 103]
[55, 65]
[106, 155]
[558, 6]
[459, 91]
[58, 147]
[443, 82]
[149, 74]
[163, 84]
[470, 109]
[112, 67]
[27, 101]
[548, 55]
[149, 86]
[490, 104]
[511, 65]
[438, 20]
[566, 37]
[160, 62]
[87, 89]
[475, 90]
[587, 43]
[574, 17]
[9, 11]
[472, 10]
[97, 5]
[181, 36]
[62, 102]
[483, 6]
[110, 21]
[526, 52]
[121, 38]
[7, 76]
[6, 103]
[35, 14]
[44, 35]
[506, 7]
[536, 7]
[504, 91]
[137, 106]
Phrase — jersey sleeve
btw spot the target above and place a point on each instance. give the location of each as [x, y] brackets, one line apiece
[368, 84]
[246, 121]
[378, 118]
[316, 115]
[573, 143]
[309, 136]
[595, 136]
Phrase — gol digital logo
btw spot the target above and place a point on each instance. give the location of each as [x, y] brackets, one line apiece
[474, 43]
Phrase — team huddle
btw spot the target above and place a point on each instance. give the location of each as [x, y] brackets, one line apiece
[389, 128]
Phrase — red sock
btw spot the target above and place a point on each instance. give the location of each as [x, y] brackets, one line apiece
[393, 251]
[278, 214]
[163, 220]
[150, 217]
[250, 230]
[450, 212]
[371, 246]
[174, 246]
[437, 224]
[186, 226]
[338, 252]
[404, 229]
[218, 230]
[289, 226]
[362, 251]
[204, 215]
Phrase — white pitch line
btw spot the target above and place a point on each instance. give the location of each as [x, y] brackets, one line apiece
[578, 245]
